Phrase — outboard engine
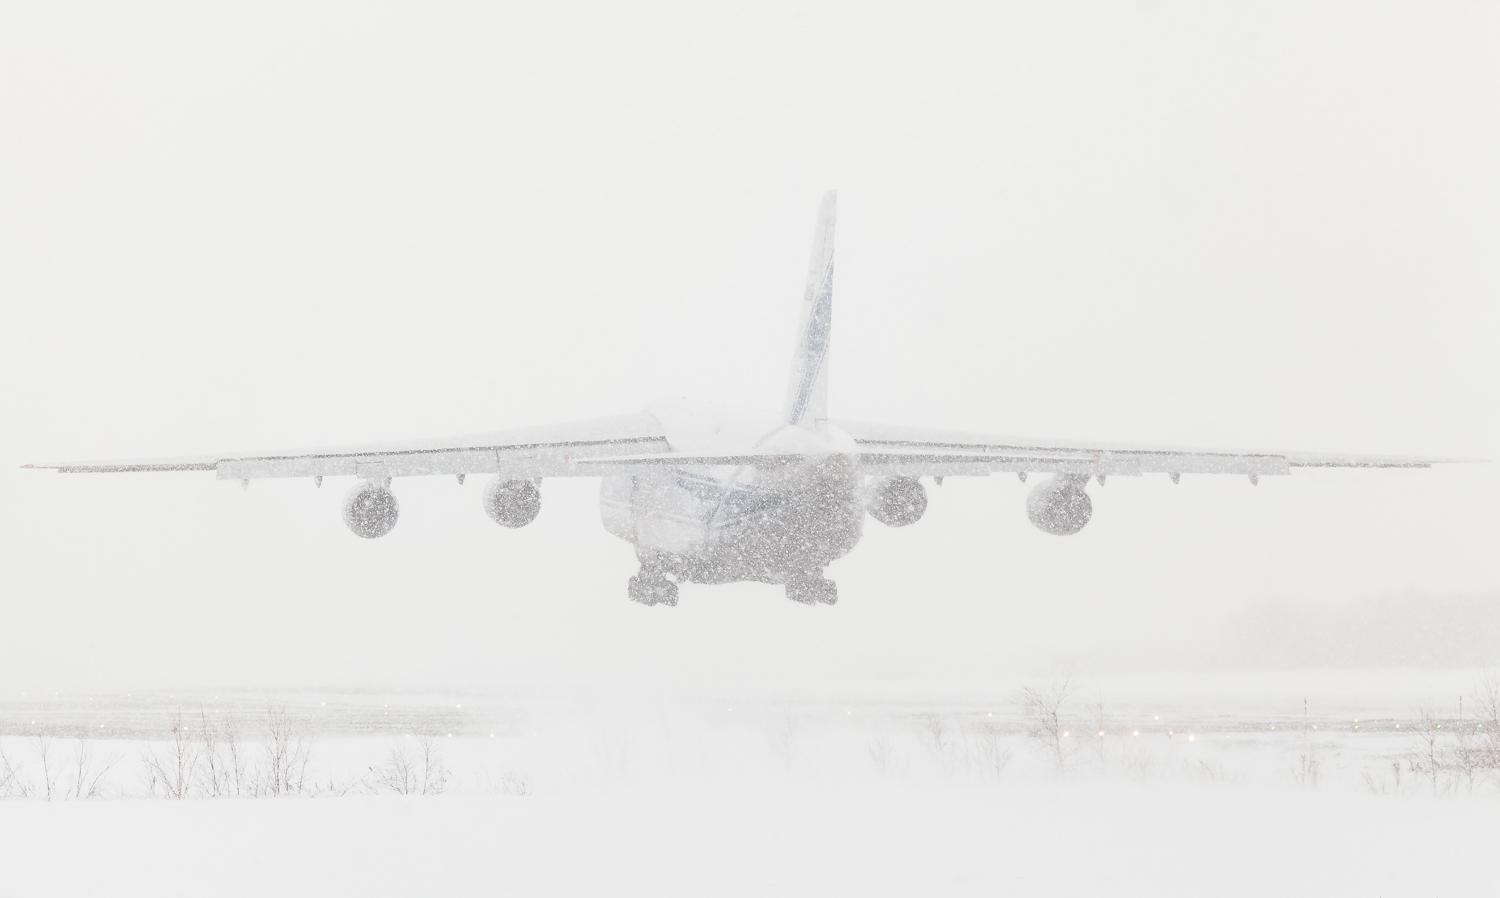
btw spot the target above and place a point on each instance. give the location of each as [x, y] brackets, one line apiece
[370, 509]
[512, 503]
[1059, 505]
[896, 501]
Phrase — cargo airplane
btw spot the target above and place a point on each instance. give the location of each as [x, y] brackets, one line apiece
[709, 494]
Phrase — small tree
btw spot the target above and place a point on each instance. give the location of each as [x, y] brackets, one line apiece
[174, 769]
[12, 783]
[419, 772]
[1427, 731]
[89, 773]
[1041, 708]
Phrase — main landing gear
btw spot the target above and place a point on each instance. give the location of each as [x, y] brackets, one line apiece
[810, 589]
[650, 587]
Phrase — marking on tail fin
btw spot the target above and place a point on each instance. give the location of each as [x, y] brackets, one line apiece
[807, 391]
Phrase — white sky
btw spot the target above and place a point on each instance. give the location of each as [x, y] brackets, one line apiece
[271, 227]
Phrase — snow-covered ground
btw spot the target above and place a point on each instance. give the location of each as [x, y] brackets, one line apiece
[1200, 785]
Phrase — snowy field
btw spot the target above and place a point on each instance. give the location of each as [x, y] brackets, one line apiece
[1201, 784]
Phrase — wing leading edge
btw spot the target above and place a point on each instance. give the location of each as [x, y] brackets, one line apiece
[914, 451]
[551, 451]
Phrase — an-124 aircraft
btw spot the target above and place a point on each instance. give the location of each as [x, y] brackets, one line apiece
[709, 494]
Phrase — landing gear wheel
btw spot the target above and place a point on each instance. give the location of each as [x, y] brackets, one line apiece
[653, 589]
[812, 589]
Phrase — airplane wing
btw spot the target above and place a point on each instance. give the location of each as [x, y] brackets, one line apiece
[552, 451]
[896, 449]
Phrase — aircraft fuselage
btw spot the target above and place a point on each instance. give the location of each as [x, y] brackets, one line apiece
[725, 523]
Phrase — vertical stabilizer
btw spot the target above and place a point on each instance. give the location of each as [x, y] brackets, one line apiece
[807, 392]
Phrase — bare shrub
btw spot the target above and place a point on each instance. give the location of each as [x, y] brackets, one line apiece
[1487, 722]
[338, 788]
[171, 771]
[89, 772]
[1427, 752]
[1386, 780]
[12, 783]
[51, 768]
[1308, 768]
[1140, 763]
[214, 777]
[883, 754]
[936, 736]
[991, 752]
[1211, 771]
[1041, 709]
[287, 750]
[516, 784]
[412, 770]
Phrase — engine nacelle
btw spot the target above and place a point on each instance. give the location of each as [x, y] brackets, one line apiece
[512, 503]
[370, 509]
[896, 501]
[1060, 506]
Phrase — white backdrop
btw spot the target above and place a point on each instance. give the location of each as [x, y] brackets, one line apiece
[275, 226]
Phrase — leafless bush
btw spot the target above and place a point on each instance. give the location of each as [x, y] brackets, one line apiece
[51, 768]
[936, 736]
[516, 784]
[507, 783]
[214, 776]
[1487, 722]
[1041, 708]
[1308, 768]
[1386, 779]
[283, 770]
[1211, 772]
[1141, 763]
[338, 788]
[12, 783]
[1427, 752]
[413, 771]
[883, 754]
[171, 771]
[89, 772]
[991, 754]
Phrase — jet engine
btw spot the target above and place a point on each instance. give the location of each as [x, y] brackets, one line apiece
[1059, 505]
[512, 503]
[896, 501]
[370, 509]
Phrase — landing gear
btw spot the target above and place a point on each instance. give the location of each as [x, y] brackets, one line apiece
[810, 589]
[651, 588]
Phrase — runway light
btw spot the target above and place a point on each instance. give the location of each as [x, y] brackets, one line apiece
[1101, 732]
[1190, 737]
[1157, 717]
[1136, 733]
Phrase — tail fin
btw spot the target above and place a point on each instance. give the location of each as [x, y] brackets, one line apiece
[807, 392]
